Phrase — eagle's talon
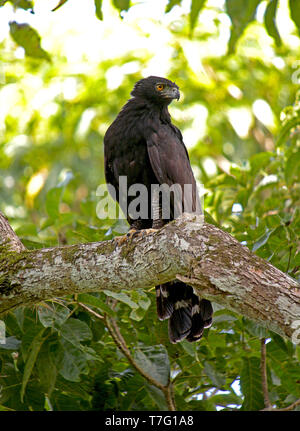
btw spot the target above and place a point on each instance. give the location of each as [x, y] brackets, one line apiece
[120, 240]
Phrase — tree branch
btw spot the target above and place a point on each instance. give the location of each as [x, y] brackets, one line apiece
[263, 370]
[116, 335]
[8, 236]
[209, 259]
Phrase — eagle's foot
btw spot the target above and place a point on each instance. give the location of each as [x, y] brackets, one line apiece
[135, 233]
[131, 234]
[120, 240]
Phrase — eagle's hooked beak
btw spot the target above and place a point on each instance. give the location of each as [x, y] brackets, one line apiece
[172, 93]
[176, 93]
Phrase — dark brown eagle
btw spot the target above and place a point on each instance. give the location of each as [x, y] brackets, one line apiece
[143, 145]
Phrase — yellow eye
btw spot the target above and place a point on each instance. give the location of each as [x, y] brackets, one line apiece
[159, 87]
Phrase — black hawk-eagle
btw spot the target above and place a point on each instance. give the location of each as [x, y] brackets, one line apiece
[144, 146]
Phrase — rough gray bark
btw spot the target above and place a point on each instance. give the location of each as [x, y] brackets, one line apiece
[212, 261]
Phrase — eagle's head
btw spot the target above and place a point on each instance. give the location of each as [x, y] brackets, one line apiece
[155, 89]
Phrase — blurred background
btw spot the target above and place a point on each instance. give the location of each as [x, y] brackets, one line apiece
[64, 75]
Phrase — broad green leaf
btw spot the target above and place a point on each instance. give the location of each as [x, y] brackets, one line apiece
[29, 39]
[137, 314]
[295, 12]
[74, 331]
[270, 21]
[46, 370]
[241, 14]
[190, 348]
[283, 365]
[225, 399]
[98, 9]
[154, 360]
[74, 362]
[26, 229]
[121, 4]
[33, 352]
[11, 343]
[53, 315]
[218, 379]
[121, 296]
[196, 7]
[255, 329]
[250, 384]
[53, 200]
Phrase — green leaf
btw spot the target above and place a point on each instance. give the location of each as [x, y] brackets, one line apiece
[74, 362]
[46, 370]
[218, 379]
[260, 161]
[250, 383]
[121, 296]
[53, 200]
[29, 229]
[3, 408]
[33, 352]
[255, 329]
[241, 14]
[196, 7]
[22, 4]
[121, 4]
[286, 130]
[98, 9]
[157, 396]
[53, 315]
[270, 21]
[137, 314]
[171, 4]
[29, 39]
[295, 12]
[154, 360]
[94, 301]
[189, 348]
[292, 168]
[74, 331]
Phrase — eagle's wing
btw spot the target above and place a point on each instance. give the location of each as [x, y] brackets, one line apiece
[171, 165]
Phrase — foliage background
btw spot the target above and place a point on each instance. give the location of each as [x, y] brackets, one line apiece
[64, 76]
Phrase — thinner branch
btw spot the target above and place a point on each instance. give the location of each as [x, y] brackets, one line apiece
[263, 370]
[121, 344]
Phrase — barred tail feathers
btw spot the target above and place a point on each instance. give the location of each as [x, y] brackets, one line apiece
[187, 314]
